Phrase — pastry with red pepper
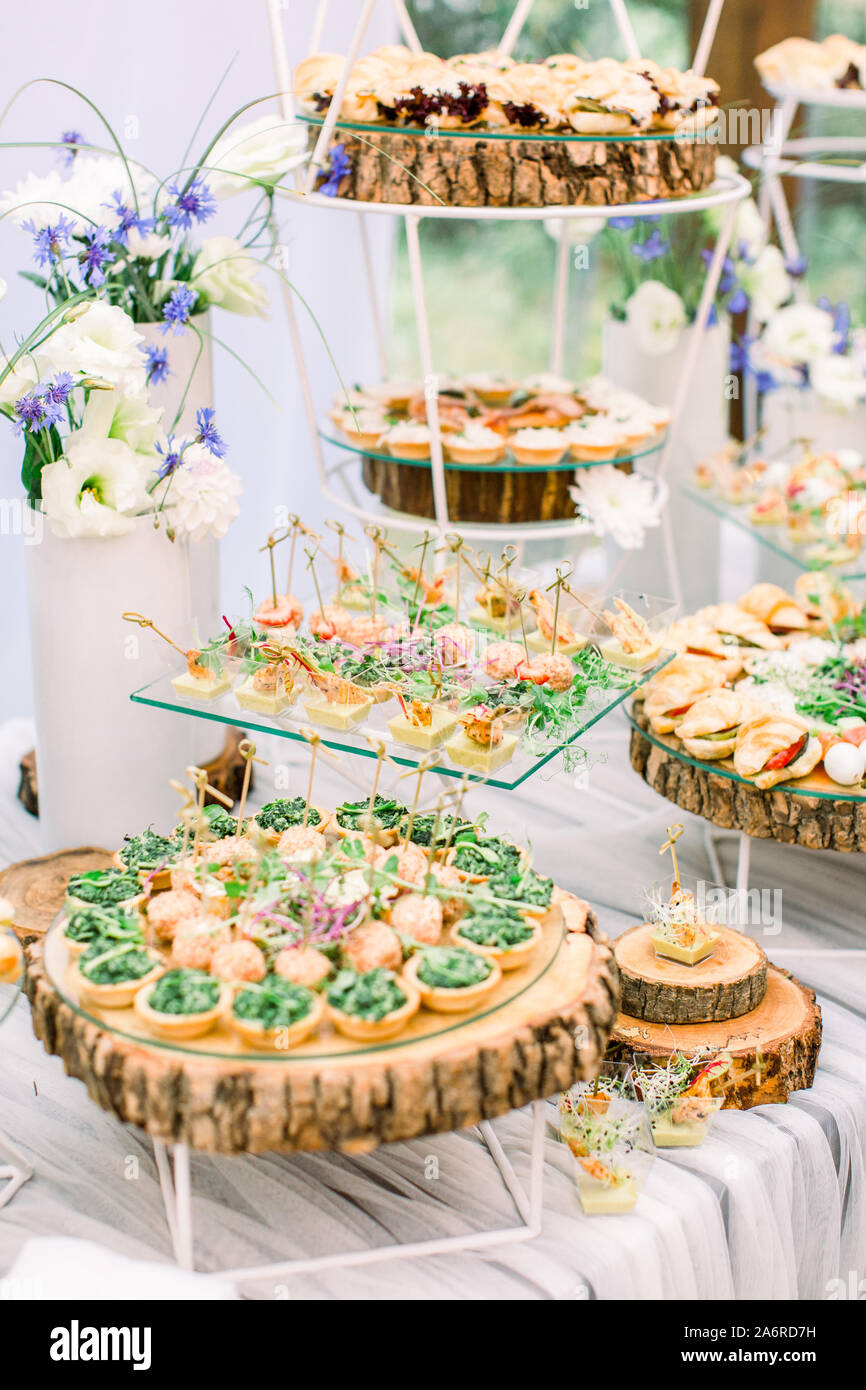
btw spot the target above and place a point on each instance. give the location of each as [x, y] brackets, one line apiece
[709, 729]
[775, 748]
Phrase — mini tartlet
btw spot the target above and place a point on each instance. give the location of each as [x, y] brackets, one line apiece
[374, 1006]
[475, 443]
[176, 988]
[284, 813]
[119, 992]
[275, 1014]
[103, 888]
[493, 933]
[407, 440]
[94, 923]
[474, 978]
[541, 446]
[350, 817]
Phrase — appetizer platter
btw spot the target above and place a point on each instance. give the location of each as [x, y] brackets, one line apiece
[559, 131]
[488, 666]
[304, 978]
[510, 446]
[759, 722]
[807, 506]
[688, 962]
[693, 982]
[832, 70]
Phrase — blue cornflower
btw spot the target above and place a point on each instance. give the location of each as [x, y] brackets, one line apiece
[741, 361]
[50, 242]
[796, 267]
[841, 321]
[177, 308]
[738, 302]
[70, 139]
[207, 433]
[157, 366]
[43, 406]
[340, 167]
[128, 219]
[193, 204]
[728, 275]
[96, 255]
[652, 248]
[712, 316]
[621, 224]
[172, 457]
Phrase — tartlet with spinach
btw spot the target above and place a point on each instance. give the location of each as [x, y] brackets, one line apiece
[102, 888]
[110, 973]
[351, 817]
[276, 1014]
[286, 812]
[372, 1006]
[183, 1003]
[87, 924]
[151, 856]
[531, 892]
[452, 979]
[503, 935]
[478, 856]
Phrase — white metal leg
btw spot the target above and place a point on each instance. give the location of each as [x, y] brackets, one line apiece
[333, 110]
[431, 381]
[176, 1193]
[560, 300]
[708, 33]
[743, 863]
[15, 1173]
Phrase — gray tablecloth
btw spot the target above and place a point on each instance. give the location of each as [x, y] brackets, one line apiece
[772, 1206]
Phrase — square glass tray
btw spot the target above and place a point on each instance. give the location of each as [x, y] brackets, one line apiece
[774, 538]
[225, 709]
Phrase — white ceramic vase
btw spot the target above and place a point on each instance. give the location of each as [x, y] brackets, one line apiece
[788, 414]
[103, 763]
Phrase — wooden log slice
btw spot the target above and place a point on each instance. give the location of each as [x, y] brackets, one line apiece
[729, 983]
[539, 1041]
[36, 887]
[475, 494]
[774, 1048]
[394, 166]
[794, 818]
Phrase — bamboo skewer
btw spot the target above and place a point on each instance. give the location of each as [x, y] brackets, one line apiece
[247, 751]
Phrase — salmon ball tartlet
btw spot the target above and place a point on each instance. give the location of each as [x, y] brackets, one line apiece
[554, 670]
[193, 946]
[372, 945]
[239, 960]
[301, 844]
[303, 965]
[167, 911]
[420, 918]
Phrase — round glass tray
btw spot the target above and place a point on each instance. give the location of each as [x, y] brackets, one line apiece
[327, 1045]
[10, 990]
[481, 133]
[507, 465]
[817, 784]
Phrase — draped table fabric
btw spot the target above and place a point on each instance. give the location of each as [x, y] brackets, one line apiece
[771, 1206]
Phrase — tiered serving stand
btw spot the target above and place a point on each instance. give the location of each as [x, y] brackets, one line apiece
[540, 1033]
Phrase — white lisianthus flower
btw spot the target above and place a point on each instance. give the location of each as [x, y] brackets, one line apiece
[657, 317]
[616, 504]
[35, 200]
[111, 415]
[577, 230]
[838, 380]
[147, 246]
[95, 490]
[799, 333]
[767, 283]
[22, 378]
[750, 232]
[85, 195]
[260, 152]
[225, 272]
[101, 341]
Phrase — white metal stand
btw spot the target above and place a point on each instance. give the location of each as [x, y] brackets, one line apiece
[15, 1173]
[337, 483]
[744, 853]
[174, 1178]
